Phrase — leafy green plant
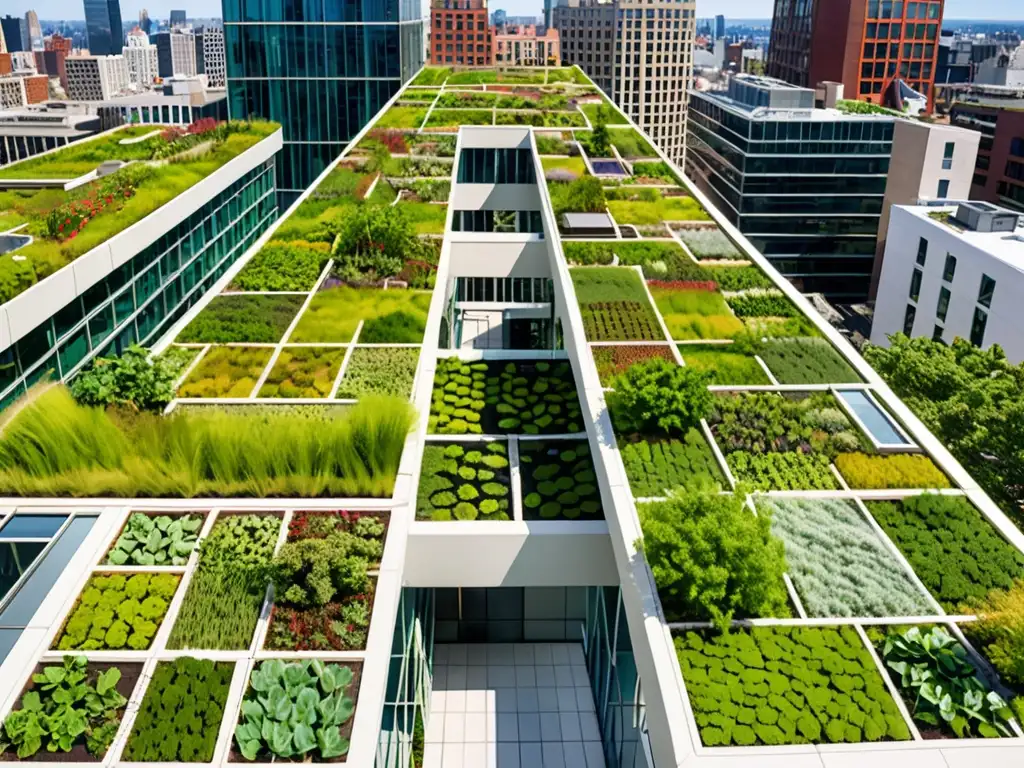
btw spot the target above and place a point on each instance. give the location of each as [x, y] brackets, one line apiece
[951, 546]
[786, 685]
[242, 318]
[379, 370]
[764, 304]
[464, 482]
[296, 710]
[806, 361]
[656, 467]
[222, 604]
[283, 266]
[942, 686]
[712, 559]
[558, 480]
[156, 540]
[226, 372]
[69, 703]
[657, 397]
[118, 611]
[303, 372]
[901, 470]
[783, 471]
[738, 278]
[134, 378]
[999, 630]
[179, 719]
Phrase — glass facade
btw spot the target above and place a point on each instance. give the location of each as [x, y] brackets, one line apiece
[104, 31]
[143, 297]
[322, 69]
[497, 166]
[807, 193]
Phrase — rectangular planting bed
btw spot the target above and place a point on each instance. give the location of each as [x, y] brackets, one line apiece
[726, 367]
[614, 360]
[152, 539]
[465, 481]
[695, 314]
[558, 480]
[614, 305]
[242, 319]
[656, 466]
[806, 361]
[303, 372]
[226, 372]
[379, 371]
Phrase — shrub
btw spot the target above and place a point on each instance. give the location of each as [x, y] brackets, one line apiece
[890, 471]
[711, 558]
[999, 630]
[283, 266]
[134, 378]
[838, 564]
[156, 540]
[657, 397]
[951, 546]
[783, 471]
[242, 318]
[654, 468]
[560, 475]
[379, 370]
[806, 361]
[374, 243]
[179, 719]
[443, 477]
[584, 195]
[786, 685]
[762, 305]
[118, 611]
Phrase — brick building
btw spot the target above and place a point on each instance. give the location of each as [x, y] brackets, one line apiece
[460, 33]
[57, 42]
[999, 172]
[522, 47]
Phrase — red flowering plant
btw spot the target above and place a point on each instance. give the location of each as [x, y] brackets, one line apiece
[202, 125]
[684, 285]
[391, 138]
[67, 220]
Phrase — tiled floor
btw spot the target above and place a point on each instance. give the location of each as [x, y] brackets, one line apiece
[503, 705]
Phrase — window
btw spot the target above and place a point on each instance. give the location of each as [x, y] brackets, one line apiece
[988, 287]
[943, 188]
[943, 306]
[915, 284]
[908, 319]
[937, 333]
[978, 327]
[950, 269]
[947, 156]
[922, 251]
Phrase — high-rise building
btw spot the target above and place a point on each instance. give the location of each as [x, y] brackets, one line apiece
[999, 117]
[549, 6]
[641, 53]
[142, 58]
[103, 27]
[145, 23]
[214, 64]
[14, 33]
[96, 78]
[719, 27]
[460, 34]
[56, 42]
[177, 19]
[176, 53]
[499, 18]
[33, 32]
[321, 100]
[867, 45]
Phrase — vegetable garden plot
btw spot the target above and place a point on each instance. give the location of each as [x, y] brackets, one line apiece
[282, 266]
[73, 708]
[558, 480]
[465, 481]
[890, 471]
[951, 546]
[149, 539]
[224, 597]
[764, 304]
[379, 370]
[614, 305]
[241, 319]
[786, 685]
[226, 372]
[838, 564]
[504, 397]
[614, 360]
[118, 611]
[181, 712]
[737, 278]
[695, 314]
[726, 367]
[303, 372]
[323, 693]
[389, 316]
[783, 471]
[655, 467]
[806, 361]
[710, 244]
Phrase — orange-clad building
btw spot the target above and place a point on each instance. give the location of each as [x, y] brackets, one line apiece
[866, 45]
[37, 89]
[460, 33]
[57, 42]
[6, 67]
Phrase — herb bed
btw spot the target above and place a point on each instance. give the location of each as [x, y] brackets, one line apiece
[558, 480]
[726, 367]
[902, 470]
[226, 372]
[807, 361]
[380, 371]
[465, 481]
[656, 466]
[242, 318]
[303, 372]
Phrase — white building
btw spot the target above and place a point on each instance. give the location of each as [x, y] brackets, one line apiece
[953, 271]
[96, 78]
[12, 92]
[214, 59]
[23, 61]
[176, 54]
[142, 64]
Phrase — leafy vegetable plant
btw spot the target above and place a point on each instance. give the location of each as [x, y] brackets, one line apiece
[134, 378]
[942, 685]
[296, 710]
[156, 540]
[558, 480]
[655, 467]
[68, 703]
[465, 482]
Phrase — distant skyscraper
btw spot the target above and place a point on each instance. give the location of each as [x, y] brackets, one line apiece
[498, 18]
[144, 21]
[719, 27]
[33, 31]
[176, 53]
[13, 27]
[177, 19]
[213, 57]
[103, 27]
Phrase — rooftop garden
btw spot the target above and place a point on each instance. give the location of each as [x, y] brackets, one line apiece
[65, 225]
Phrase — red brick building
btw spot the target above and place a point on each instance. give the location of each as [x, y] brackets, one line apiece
[5, 64]
[37, 89]
[863, 44]
[57, 42]
[460, 33]
[999, 171]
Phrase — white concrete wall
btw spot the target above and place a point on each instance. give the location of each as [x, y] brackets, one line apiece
[494, 197]
[1005, 319]
[525, 257]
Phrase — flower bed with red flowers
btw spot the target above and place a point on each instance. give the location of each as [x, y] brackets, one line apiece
[614, 360]
[65, 221]
[684, 285]
[391, 138]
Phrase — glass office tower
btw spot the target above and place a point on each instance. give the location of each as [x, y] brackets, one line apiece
[321, 68]
[103, 27]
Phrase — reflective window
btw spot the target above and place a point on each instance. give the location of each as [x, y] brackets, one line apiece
[32, 526]
[988, 288]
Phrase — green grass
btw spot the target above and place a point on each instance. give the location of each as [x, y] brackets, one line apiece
[614, 305]
[630, 143]
[572, 164]
[402, 117]
[226, 372]
[695, 314]
[727, 367]
[432, 76]
[394, 316]
[473, 77]
[84, 156]
[242, 318]
[426, 218]
[599, 284]
[612, 115]
[807, 361]
[656, 210]
[303, 372]
[453, 118]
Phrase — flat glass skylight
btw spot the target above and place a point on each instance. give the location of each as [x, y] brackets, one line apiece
[879, 426]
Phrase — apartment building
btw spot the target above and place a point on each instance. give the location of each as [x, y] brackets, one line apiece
[460, 33]
[523, 46]
[586, 31]
[997, 115]
[96, 78]
[867, 45]
[142, 59]
[214, 61]
[953, 272]
[176, 53]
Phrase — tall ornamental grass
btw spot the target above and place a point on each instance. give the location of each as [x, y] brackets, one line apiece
[55, 447]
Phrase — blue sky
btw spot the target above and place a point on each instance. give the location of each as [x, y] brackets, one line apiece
[740, 9]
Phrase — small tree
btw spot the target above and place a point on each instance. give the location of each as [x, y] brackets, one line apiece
[600, 142]
[712, 558]
[374, 243]
[658, 397]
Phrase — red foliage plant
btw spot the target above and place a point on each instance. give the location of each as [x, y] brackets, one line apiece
[684, 285]
[316, 524]
[393, 139]
[203, 125]
[364, 185]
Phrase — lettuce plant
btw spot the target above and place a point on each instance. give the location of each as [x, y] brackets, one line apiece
[161, 540]
[119, 611]
[296, 710]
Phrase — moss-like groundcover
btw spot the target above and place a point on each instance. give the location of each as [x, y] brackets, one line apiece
[783, 685]
[558, 480]
[504, 397]
[656, 466]
[226, 372]
[379, 370]
[465, 481]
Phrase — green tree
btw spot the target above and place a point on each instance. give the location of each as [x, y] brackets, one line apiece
[712, 558]
[600, 141]
[658, 397]
[374, 243]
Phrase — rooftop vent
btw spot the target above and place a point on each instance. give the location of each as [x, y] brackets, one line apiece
[983, 217]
